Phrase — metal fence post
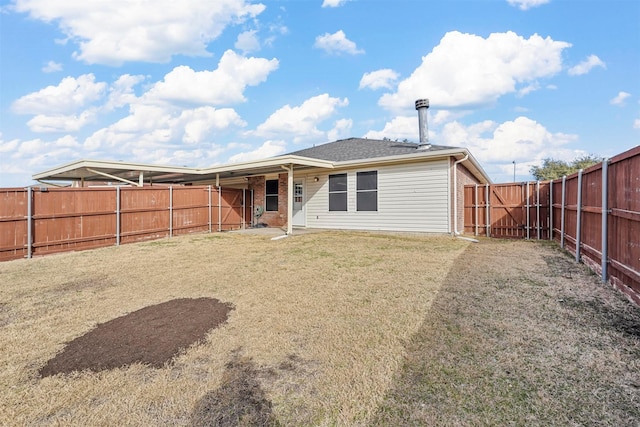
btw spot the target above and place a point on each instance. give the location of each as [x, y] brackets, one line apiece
[562, 204]
[579, 217]
[551, 210]
[219, 208]
[118, 215]
[209, 219]
[171, 211]
[538, 208]
[605, 217]
[476, 209]
[29, 222]
[527, 207]
[488, 211]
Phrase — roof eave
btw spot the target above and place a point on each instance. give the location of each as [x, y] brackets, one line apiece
[274, 162]
[122, 166]
[458, 153]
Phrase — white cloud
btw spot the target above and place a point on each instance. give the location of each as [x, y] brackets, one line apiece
[155, 126]
[527, 4]
[587, 65]
[469, 70]
[333, 3]
[528, 89]
[400, 128]
[52, 67]
[268, 149]
[248, 42]
[111, 33]
[68, 97]
[173, 112]
[121, 91]
[522, 140]
[23, 158]
[337, 43]
[384, 78]
[341, 130]
[8, 146]
[301, 121]
[496, 146]
[60, 123]
[224, 85]
[620, 99]
[200, 123]
[636, 124]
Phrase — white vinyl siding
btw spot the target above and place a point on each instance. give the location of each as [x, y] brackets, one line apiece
[411, 197]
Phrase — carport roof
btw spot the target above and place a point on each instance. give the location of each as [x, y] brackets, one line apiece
[134, 173]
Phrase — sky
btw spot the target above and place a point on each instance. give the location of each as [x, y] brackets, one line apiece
[201, 83]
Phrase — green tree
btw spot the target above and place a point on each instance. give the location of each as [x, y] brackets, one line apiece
[553, 169]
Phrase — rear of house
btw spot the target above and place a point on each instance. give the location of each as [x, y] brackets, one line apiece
[404, 188]
[354, 184]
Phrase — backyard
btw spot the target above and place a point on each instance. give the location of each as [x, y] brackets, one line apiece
[328, 328]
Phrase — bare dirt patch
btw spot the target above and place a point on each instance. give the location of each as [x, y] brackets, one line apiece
[152, 335]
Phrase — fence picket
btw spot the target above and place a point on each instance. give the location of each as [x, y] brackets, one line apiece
[607, 237]
[49, 220]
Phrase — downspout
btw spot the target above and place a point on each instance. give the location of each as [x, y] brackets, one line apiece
[455, 194]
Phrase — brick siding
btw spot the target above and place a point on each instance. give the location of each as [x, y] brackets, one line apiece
[273, 218]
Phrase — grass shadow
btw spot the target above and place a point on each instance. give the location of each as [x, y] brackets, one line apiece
[498, 348]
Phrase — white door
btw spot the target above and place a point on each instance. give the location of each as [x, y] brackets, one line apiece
[299, 217]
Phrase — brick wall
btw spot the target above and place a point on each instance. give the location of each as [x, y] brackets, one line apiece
[272, 219]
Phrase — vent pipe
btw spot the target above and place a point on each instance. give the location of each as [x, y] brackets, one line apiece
[422, 105]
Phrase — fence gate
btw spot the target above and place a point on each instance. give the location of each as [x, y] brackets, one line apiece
[510, 211]
[507, 211]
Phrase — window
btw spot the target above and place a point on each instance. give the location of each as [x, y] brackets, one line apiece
[367, 191]
[338, 192]
[271, 195]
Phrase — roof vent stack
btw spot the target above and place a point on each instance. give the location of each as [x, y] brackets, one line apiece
[422, 105]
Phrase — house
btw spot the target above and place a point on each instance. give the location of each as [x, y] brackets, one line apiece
[355, 183]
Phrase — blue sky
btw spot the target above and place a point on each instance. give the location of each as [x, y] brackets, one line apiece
[199, 83]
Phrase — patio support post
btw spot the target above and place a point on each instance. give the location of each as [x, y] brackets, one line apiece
[289, 170]
[253, 215]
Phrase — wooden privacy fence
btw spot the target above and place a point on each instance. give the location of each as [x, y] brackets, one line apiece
[39, 221]
[594, 214]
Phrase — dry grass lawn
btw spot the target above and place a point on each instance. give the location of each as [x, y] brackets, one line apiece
[334, 328]
[322, 318]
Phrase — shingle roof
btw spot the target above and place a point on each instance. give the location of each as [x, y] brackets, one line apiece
[361, 148]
